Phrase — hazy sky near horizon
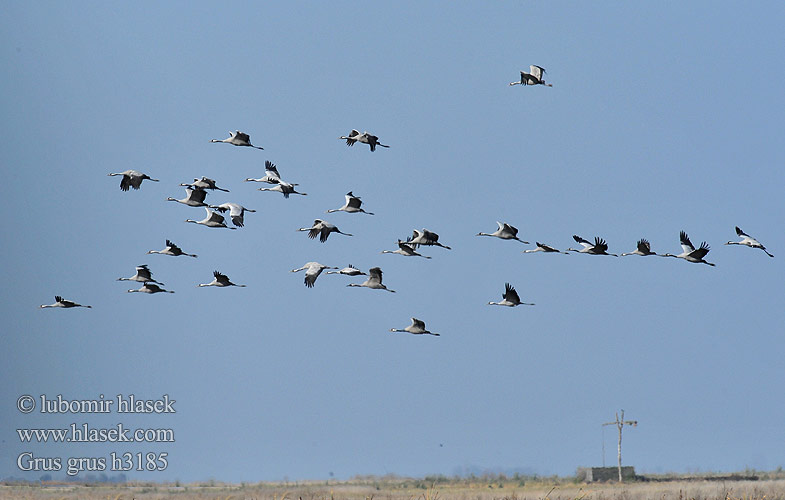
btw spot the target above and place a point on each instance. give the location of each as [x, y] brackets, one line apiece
[662, 117]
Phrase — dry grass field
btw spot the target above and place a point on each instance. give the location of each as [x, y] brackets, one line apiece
[767, 488]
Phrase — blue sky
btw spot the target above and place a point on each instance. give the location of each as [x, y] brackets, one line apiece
[661, 118]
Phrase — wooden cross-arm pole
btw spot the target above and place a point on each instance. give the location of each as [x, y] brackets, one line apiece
[619, 423]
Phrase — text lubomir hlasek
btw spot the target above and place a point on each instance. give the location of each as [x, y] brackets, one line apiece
[124, 404]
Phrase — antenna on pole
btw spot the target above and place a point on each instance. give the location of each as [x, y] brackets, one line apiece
[603, 445]
[619, 423]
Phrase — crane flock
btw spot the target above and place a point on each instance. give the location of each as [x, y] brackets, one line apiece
[196, 193]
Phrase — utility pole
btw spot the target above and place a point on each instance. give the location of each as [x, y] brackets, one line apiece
[619, 423]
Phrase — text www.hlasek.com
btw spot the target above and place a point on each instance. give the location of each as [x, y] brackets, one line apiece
[86, 434]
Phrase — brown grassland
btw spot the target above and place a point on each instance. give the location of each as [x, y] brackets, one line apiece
[768, 486]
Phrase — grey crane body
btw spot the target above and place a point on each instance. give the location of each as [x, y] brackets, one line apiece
[416, 328]
[284, 188]
[63, 303]
[599, 247]
[204, 183]
[510, 298]
[534, 77]
[236, 212]
[322, 229]
[541, 247]
[748, 241]
[271, 175]
[219, 280]
[406, 249]
[690, 253]
[194, 197]
[132, 179]
[237, 138]
[504, 232]
[365, 138]
[353, 205]
[374, 281]
[143, 275]
[312, 271]
[171, 249]
[150, 288]
[350, 270]
[212, 220]
[643, 249]
[425, 237]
